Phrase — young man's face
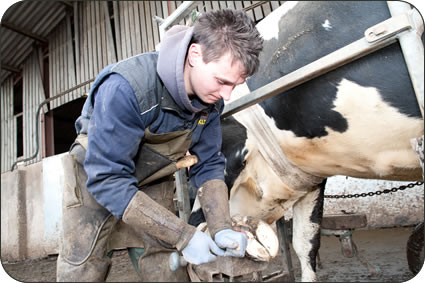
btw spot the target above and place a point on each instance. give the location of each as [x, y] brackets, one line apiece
[214, 80]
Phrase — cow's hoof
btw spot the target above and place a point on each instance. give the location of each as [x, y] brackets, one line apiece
[263, 243]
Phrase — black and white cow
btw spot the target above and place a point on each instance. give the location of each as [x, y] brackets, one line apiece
[356, 120]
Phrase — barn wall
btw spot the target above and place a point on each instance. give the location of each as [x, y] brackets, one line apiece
[136, 31]
[99, 41]
[8, 126]
[73, 63]
[33, 95]
[91, 35]
[61, 63]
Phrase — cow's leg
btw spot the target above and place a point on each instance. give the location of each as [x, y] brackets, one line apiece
[197, 215]
[307, 216]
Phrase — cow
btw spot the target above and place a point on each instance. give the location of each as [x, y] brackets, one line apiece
[356, 120]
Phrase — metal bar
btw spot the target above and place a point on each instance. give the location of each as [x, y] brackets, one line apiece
[321, 66]
[157, 19]
[412, 47]
[37, 121]
[24, 32]
[253, 6]
[182, 11]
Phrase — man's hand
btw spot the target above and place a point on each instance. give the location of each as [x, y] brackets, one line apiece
[199, 249]
[233, 242]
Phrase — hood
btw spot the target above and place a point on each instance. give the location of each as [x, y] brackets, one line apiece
[171, 59]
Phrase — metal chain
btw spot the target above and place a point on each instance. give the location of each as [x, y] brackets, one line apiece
[369, 194]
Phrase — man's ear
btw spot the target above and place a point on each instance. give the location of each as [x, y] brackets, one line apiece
[194, 54]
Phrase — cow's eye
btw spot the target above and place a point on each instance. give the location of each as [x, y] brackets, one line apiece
[244, 163]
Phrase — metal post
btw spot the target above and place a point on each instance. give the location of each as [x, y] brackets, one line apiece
[412, 47]
[182, 194]
[284, 240]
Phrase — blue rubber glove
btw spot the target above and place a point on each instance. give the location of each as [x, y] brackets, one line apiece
[199, 249]
[233, 242]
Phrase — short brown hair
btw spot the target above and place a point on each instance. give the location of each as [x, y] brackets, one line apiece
[227, 30]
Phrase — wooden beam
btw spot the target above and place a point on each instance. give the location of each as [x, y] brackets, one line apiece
[10, 68]
[26, 33]
[67, 4]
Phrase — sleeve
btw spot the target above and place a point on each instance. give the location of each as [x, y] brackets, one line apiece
[114, 134]
[211, 162]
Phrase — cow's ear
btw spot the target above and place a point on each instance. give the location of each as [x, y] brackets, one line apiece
[194, 54]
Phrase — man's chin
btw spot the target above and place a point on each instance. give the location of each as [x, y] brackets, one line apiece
[210, 100]
[214, 100]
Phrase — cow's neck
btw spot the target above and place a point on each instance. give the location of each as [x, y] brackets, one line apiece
[253, 118]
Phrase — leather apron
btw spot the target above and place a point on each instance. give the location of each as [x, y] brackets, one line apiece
[84, 218]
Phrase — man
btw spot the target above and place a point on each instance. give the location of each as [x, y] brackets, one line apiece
[142, 115]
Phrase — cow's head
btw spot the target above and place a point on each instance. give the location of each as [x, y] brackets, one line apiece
[255, 190]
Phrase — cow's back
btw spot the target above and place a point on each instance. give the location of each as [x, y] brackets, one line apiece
[356, 120]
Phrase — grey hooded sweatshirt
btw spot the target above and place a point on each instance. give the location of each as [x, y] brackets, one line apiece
[121, 105]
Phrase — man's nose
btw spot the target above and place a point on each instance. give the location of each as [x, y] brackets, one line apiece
[226, 92]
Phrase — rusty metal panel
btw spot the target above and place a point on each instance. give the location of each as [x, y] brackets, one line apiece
[8, 126]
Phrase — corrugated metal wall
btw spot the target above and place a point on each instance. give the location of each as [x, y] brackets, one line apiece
[135, 30]
[8, 126]
[99, 42]
[33, 95]
[93, 49]
[93, 40]
[39, 17]
[61, 62]
[104, 32]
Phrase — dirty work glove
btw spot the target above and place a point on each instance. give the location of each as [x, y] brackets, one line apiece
[199, 249]
[233, 242]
